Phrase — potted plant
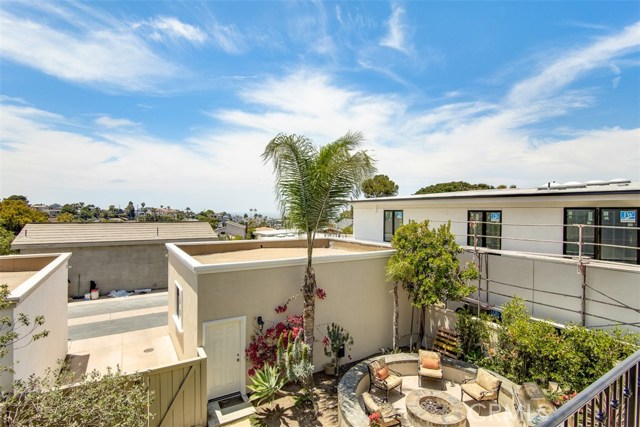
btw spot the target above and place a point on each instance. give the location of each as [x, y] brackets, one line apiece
[335, 345]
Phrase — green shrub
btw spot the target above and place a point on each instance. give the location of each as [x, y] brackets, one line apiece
[574, 357]
[473, 333]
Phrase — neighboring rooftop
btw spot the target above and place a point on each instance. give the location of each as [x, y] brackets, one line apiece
[94, 234]
[546, 190]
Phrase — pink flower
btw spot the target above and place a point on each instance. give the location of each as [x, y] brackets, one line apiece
[281, 308]
[320, 293]
[326, 341]
[251, 372]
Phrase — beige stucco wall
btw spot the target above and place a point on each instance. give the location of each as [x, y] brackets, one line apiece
[358, 298]
[185, 340]
[114, 267]
[47, 297]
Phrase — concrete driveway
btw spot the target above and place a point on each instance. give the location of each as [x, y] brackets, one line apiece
[129, 332]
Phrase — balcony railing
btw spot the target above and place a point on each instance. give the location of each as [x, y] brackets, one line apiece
[611, 401]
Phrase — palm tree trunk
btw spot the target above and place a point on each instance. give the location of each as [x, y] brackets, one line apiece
[309, 304]
[396, 334]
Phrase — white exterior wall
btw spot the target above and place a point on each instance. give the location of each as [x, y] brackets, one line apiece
[540, 219]
[49, 300]
[552, 289]
[45, 293]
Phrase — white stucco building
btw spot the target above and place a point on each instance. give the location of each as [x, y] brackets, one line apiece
[528, 245]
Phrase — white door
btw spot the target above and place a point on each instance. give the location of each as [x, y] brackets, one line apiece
[224, 345]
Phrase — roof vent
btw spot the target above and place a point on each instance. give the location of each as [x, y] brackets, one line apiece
[620, 181]
[597, 182]
[574, 184]
[552, 186]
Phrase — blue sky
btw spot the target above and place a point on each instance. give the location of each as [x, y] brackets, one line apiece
[172, 103]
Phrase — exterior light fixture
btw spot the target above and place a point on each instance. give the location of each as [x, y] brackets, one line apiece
[260, 323]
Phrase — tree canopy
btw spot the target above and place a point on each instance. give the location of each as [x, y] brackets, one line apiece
[379, 186]
[15, 214]
[426, 263]
[447, 187]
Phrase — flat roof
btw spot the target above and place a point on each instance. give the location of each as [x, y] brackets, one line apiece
[103, 234]
[258, 254]
[13, 279]
[266, 254]
[629, 188]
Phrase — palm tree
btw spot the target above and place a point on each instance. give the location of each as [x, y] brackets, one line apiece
[312, 187]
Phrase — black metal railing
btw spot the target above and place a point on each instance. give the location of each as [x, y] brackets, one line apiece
[611, 401]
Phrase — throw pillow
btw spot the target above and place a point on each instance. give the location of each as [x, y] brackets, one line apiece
[383, 373]
[428, 363]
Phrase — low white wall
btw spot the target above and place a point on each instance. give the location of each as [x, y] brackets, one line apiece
[45, 293]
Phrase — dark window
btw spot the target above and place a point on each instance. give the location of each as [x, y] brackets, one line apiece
[392, 221]
[624, 223]
[489, 228]
[575, 216]
[611, 228]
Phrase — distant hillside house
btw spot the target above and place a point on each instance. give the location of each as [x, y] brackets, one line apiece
[232, 229]
[114, 256]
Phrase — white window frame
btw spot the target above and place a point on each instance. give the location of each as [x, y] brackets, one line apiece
[178, 315]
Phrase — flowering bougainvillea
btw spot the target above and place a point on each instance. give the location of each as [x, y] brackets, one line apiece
[263, 347]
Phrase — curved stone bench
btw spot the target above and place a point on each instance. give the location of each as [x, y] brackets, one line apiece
[356, 381]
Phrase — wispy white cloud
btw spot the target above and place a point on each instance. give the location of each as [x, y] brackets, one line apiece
[228, 38]
[168, 27]
[112, 123]
[105, 57]
[397, 37]
[562, 70]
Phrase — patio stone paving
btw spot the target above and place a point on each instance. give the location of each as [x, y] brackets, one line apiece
[485, 414]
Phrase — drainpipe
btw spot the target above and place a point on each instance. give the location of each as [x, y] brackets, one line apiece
[582, 271]
[476, 257]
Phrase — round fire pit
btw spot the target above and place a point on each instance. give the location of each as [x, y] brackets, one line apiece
[430, 408]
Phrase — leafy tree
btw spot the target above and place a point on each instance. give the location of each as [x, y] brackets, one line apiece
[71, 208]
[65, 217]
[18, 197]
[426, 263]
[379, 186]
[15, 214]
[130, 211]
[346, 214]
[312, 187]
[446, 187]
[6, 237]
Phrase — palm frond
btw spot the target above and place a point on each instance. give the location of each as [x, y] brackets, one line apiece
[312, 185]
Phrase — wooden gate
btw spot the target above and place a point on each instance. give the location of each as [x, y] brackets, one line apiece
[180, 393]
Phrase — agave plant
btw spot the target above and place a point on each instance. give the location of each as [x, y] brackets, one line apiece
[267, 382]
